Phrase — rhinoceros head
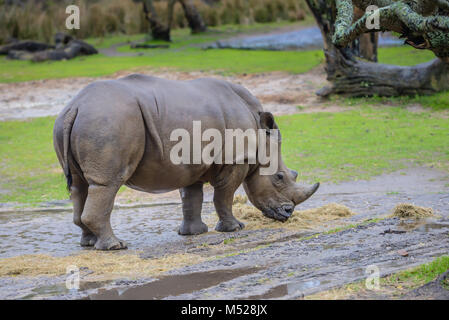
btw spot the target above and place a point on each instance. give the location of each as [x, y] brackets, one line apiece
[277, 194]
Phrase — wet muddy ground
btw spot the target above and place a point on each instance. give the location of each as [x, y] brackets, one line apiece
[262, 263]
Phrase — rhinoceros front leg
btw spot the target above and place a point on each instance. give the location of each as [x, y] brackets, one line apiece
[223, 199]
[225, 186]
[192, 202]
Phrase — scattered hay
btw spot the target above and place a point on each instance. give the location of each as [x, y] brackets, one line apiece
[239, 199]
[304, 219]
[410, 211]
[112, 264]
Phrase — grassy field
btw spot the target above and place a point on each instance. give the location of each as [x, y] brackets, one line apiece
[357, 144]
[404, 56]
[334, 147]
[438, 101]
[220, 61]
[229, 61]
[185, 54]
[189, 59]
[28, 164]
[363, 142]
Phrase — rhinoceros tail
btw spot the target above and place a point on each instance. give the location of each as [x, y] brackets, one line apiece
[69, 119]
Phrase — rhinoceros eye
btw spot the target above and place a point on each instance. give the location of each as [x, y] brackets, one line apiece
[280, 175]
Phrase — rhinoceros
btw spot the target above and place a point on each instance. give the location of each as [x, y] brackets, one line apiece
[118, 132]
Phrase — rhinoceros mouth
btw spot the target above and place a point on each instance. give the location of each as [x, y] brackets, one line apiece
[281, 213]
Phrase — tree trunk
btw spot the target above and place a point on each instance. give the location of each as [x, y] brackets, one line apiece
[361, 78]
[196, 22]
[366, 46]
[158, 30]
[354, 77]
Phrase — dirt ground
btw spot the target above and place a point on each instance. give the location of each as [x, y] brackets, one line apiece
[279, 93]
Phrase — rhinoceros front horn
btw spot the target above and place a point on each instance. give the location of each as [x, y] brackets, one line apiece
[306, 193]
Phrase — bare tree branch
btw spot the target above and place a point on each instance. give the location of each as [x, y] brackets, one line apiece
[406, 17]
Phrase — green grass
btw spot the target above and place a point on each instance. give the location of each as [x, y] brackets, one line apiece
[438, 101]
[322, 146]
[404, 56]
[28, 163]
[188, 59]
[392, 286]
[229, 240]
[185, 54]
[421, 274]
[362, 143]
[106, 42]
[221, 61]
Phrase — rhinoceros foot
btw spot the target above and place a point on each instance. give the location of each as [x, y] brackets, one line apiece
[88, 240]
[111, 243]
[229, 225]
[192, 228]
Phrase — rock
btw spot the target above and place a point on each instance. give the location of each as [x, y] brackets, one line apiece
[20, 55]
[403, 253]
[26, 45]
[66, 48]
[61, 39]
[73, 49]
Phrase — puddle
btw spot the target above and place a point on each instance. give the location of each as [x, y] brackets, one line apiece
[307, 38]
[61, 289]
[295, 289]
[173, 285]
[422, 225]
[273, 293]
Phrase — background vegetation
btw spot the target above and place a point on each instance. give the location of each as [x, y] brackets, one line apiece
[102, 17]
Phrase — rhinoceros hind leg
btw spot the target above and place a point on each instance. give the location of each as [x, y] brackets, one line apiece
[78, 195]
[96, 216]
[192, 202]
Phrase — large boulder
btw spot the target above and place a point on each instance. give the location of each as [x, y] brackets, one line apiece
[73, 49]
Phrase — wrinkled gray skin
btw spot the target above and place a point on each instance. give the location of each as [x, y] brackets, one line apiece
[117, 132]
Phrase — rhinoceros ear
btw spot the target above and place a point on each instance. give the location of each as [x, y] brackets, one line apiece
[267, 121]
